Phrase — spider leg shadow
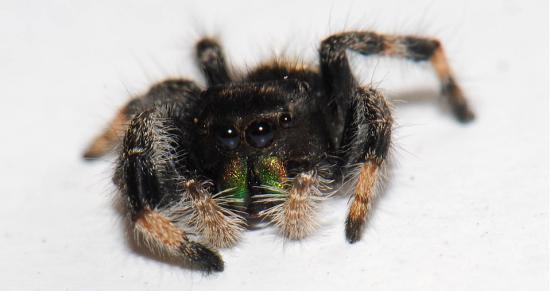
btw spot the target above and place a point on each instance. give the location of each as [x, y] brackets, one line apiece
[420, 97]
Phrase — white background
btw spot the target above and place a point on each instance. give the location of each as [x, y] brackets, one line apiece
[467, 208]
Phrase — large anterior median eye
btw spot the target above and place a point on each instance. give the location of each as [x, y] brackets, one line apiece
[259, 134]
[228, 137]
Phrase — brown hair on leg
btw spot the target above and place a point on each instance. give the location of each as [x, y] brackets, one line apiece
[214, 220]
[339, 79]
[161, 235]
[295, 213]
[364, 192]
[450, 88]
[427, 49]
[298, 216]
[109, 139]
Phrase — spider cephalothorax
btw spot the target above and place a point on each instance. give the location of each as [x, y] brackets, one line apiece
[197, 166]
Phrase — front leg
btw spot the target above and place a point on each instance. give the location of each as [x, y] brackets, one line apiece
[365, 145]
[167, 207]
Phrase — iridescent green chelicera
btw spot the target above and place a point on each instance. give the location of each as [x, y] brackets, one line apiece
[236, 177]
[271, 172]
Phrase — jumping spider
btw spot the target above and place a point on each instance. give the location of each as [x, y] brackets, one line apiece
[198, 165]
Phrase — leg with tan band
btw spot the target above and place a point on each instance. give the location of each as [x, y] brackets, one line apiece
[337, 74]
[365, 146]
[151, 182]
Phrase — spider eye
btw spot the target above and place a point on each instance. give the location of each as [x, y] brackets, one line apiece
[259, 134]
[228, 137]
[285, 120]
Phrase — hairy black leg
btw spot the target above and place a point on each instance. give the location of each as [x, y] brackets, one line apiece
[147, 175]
[365, 145]
[212, 62]
[178, 93]
[340, 82]
[164, 188]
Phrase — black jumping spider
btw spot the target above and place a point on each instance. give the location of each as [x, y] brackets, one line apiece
[196, 166]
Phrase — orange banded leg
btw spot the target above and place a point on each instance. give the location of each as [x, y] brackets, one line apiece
[366, 142]
[151, 182]
[339, 80]
[110, 137]
[363, 194]
[161, 234]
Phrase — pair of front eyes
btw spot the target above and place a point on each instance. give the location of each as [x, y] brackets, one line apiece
[258, 133]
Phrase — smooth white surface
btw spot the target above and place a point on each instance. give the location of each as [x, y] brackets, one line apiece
[467, 208]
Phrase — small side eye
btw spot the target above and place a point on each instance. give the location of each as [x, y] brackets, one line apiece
[285, 120]
[201, 126]
[228, 137]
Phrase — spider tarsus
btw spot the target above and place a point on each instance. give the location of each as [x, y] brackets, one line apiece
[463, 114]
[100, 146]
[204, 257]
[353, 231]
[90, 156]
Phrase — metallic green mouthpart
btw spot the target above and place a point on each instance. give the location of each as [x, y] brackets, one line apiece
[235, 175]
[271, 172]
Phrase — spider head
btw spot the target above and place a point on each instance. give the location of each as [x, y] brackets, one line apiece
[257, 122]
